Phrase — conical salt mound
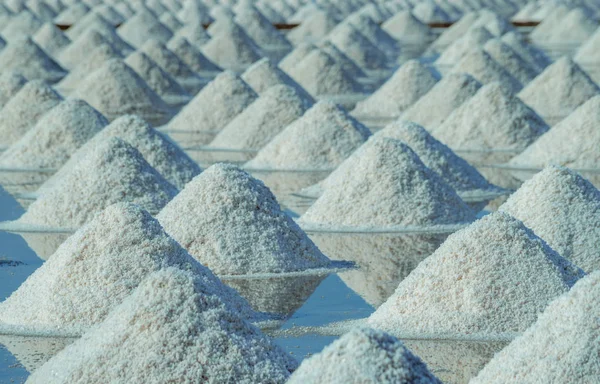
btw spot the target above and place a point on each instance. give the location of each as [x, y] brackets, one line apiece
[349, 66]
[561, 347]
[493, 22]
[484, 69]
[175, 316]
[587, 53]
[114, 89]
[170, 21]
[194, 12]
[390, 186]
[435, 106]
[475, 37]
[557, 91]
[290, 60]
[407, 85]
[453, 33]
[195, 34]
[314, 28]
[24, 110]
[262, 120]
[11, 82]
[373, 32]
[24, 56]
[42, 10]
[492, 119]
[357, 47]
[263, 75]
[238, 226]
[99, 24]
[510, 61]
[574, 28]
[110, 14]
[364, 355]
[80, 48]
[143, 26]
[55, 137]
[430, 12]
[71, 14]
[231, 48]
[492, 278]
[528, 52]
[321, 139]
[124, 242]
[112, 172]
[260, 29]
[90, 20]
[406, 28]
[192, 56]
[562, 208]
[21, 26]
[50, 39]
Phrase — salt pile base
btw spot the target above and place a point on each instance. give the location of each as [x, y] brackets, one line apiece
[11, 82]
[24, 56]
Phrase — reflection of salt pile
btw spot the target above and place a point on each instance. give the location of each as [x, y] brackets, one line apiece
[406, 28]
[50, 39]
[357, 47]
[484, 69]
[142, 26]
[570, 326]
[562, 208]
[364, 355]
[11, 82]
[175, 316]
[474, 283]
[240, 228]
[390, 186]
[411, 81]
[33, 352]
[231, 47]
[24, 56]
[528, 52]
[192, 56]
[127, 244]
[504, 55]
[321, 139]
[448, 94]
[263, 74]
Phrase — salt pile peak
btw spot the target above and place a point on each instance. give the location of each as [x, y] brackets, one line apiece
[407, 85]
[189, 341]
[485, 69]
[493, 22]
[493, 118]
[231, 47]
[560, 347]
[562, 208]
[475, 37]
[321, 139]
[192, 56]
[357, 47]
[260, 29]
[373, 32]
[314, 28]
[50, 39]
[124, 242]
[71, 14]
[492, 278]
[94, 21]
[528, 52]
[31, 61]
[75, 52]
[195, 34]
[364, 355]
[275, 109]
[406, 28]
[504, 55]
[112, 172]
[297, 55]
[142, 26]
[24, 109]
[454, 32]
[557, 91]
[238, 228]
[574, 28]
[21, 25]
[11, 82]
[347, 64]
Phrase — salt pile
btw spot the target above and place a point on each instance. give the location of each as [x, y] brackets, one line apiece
[557, 91]
[390, 186]
[114, 89]
[492, 278]
[109, 14]
[143, 26]
[349, 66]
[275, 109]
[97, 22]
[430, 12]
[528, 52]
[407, 85]
[231, 47]
[574, 28]
[260, 29]
[492, 119]
[314, 28]
[435, 106]
[321, 139]
[23, 110]
[71, 14]
[562, 346]
[357, 47]
[510, 61]
[373, 32]
[11, 82]
[493, 22]
[90, 20]
[454, 32]
[40, 9]
[406, 28]
[549, 23]
[112, 172]
[124, 9]
[175, 316]
[263, 75]
[24, 56]
[364, 355]
[194, 12]
[297, 55]
[50, 39]
[21, 26]
[192, 56]
[484, 69]
[170, 21]
[475, 37]
[195, 34]
[75, 52]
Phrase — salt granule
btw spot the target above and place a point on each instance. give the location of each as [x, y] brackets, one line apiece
[143, 26]
[528, 52]
[71, 14]
[321, 139]
[260, 29]
[194, 33]
[347, 64]
[484, 69]
[562, 346]
[492, 278]
[510, 61]
[297, 55]
[314, 28]
[364, 355]
[124, 242]
[357, 47]
[24, 56]
[192, 56]
[21, 26]
[231, 48]
[175, 316]
[11, 82]
[389, 186]
[406, 28]
[492, 119]
[75, 52]
[50, 39]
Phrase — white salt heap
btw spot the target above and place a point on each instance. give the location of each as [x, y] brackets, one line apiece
[364, 355]
[194, 33]
[435, 106]
[260, 29]
[100, 25]
[407, 85]
[109, 14]
[231, 47]
[126, 244]
[11, 82]
[492, 278]
[373, 32]
[72, 13]
[172, 328]
[114, 89]
[349, 66]
[557, 91]
[389, 186]
[170, 21]
[528, 52]
[504, 55]
[297, 55]
[42, 10]
[562, 208]
[24, 56]
[430, 12]
[357, 47]
[112, 172]
[321, 139]
[24, 109]
[574, 28]
[192, 56]
[484, 69]
[275, 109]
[21, 25]
[492, 119]
[454, 32]
[493, 22]
[406, 28]
[263, 75]
[475, 37]
[233, 224]
[50, 39]
[314, 28]
[194, 12]
[562, 346]
[143, 26]
[80, 48]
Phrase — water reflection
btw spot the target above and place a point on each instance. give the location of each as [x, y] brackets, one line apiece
[284, 183]
[33, 352]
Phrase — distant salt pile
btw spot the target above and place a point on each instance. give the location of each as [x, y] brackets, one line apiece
[406, 28]
[492, 119]
[50, 39]
[569, 325]
[192, 56]
[454, 32]
[109, 14]
[11, 82]
[112, 172]
[298, 54]
[114, 89]
[484, 69]
[587, 53]
[357, 47]
[170, 21]
[261, 121]
[260, 29]
[347, 64]
[195, 34]
[71, 13]
[528, 52]
[549, 23]
[435, 106]
[21, 26]
[231, 47]
[492, 278]
[364, 355]
[407, 85]
[430, 12]
[390, 187]
[475, 37]
[143, 26]
[124, 9]
[263, 75]
[373, 32]
[24, 109]
[194, 12]
[127, 244]
[493, 22]
[96, 22]
[557, 91]
[24, 56]
[574, 28]
[314, 28]
[321, 139]
[242, 227]
[504, 55]
[75, 52]
[377, 13]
